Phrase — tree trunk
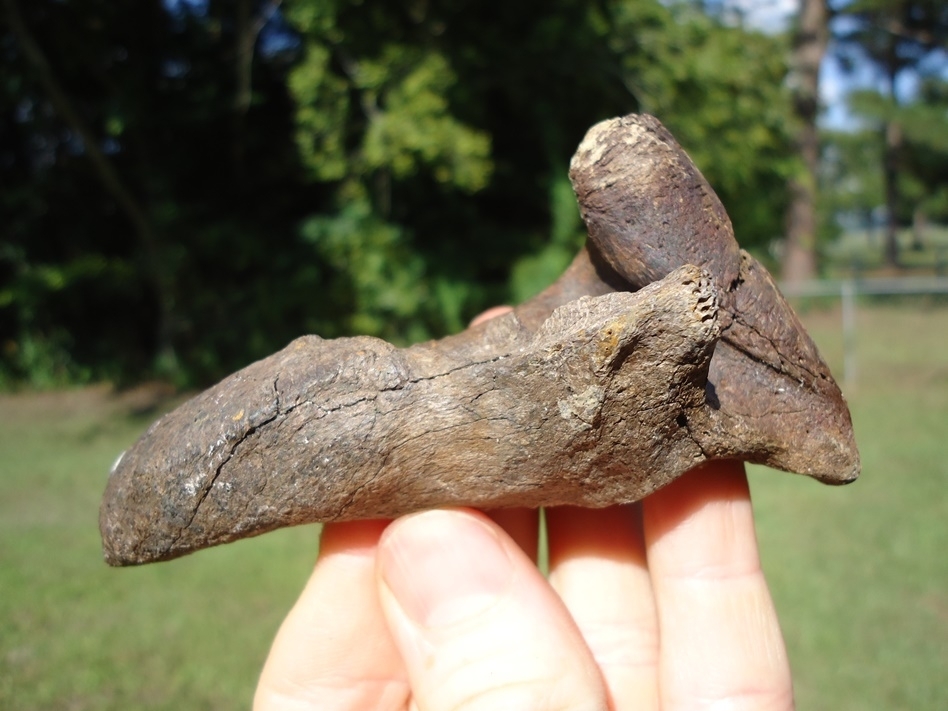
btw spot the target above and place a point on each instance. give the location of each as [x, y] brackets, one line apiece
[893, 149]
[248, 28]
[919, 225]
[244, 41]
[809, 47]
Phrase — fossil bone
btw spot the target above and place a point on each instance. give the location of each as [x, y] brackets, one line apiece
[662, 346]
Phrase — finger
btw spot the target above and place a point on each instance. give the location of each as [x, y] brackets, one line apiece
[522, 525]
[334, 650]
[720, 639]
[492, 312]
[597, 565]
[478, 626]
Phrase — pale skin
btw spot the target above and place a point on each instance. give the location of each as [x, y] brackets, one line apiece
[655, 605]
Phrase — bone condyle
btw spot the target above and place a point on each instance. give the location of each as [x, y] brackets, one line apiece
[662, 346]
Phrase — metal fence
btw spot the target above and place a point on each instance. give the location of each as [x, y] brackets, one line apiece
[848, 289]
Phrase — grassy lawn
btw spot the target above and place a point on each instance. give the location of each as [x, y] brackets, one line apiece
[860, 574]
[75, 634]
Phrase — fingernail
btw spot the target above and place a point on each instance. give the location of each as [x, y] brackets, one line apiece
[443, 566]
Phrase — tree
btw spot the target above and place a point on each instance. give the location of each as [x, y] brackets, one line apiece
[926, 156]
[444, 133]
[233, 173]
[481, 108]
[810, 40]
[850, 182]
[128, 230]
[896, 38]
[82, 138]
[924, 127]
[719, 87]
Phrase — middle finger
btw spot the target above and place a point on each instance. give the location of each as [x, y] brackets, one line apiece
[597, 565]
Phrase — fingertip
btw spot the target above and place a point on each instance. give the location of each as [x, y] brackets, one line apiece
[492, 312]
[334, 649]
[445, 565]
[476, 623]
[702, 523]
[721, 480]
[597, 564]
[354, 537]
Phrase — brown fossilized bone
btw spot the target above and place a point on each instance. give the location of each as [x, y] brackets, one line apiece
[662, 346]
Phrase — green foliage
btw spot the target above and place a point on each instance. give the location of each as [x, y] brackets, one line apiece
[437, 173]
[203, 272]
[923, 122]
[852, 179]
[409, 124]
[48, 355]
[853, 175]
[398, 167]
[322, 108]
[925, 158]
[894, 36]
[416, 126]
[415, 130]
[533, 272]
[898, 41]
[380, 283]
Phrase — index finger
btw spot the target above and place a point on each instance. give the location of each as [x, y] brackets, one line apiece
[334, 650]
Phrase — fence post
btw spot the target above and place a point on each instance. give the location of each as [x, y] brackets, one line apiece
[848, 296]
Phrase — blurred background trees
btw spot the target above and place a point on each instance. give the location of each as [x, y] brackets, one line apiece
[189, 184]
[903, 42]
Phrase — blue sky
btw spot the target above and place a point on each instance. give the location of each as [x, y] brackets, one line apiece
[835, 84]
[774, 16]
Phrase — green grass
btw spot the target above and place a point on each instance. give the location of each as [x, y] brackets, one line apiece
[859, 573]
[75, 634]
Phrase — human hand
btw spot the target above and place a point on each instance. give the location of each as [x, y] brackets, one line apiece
[660, 604]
